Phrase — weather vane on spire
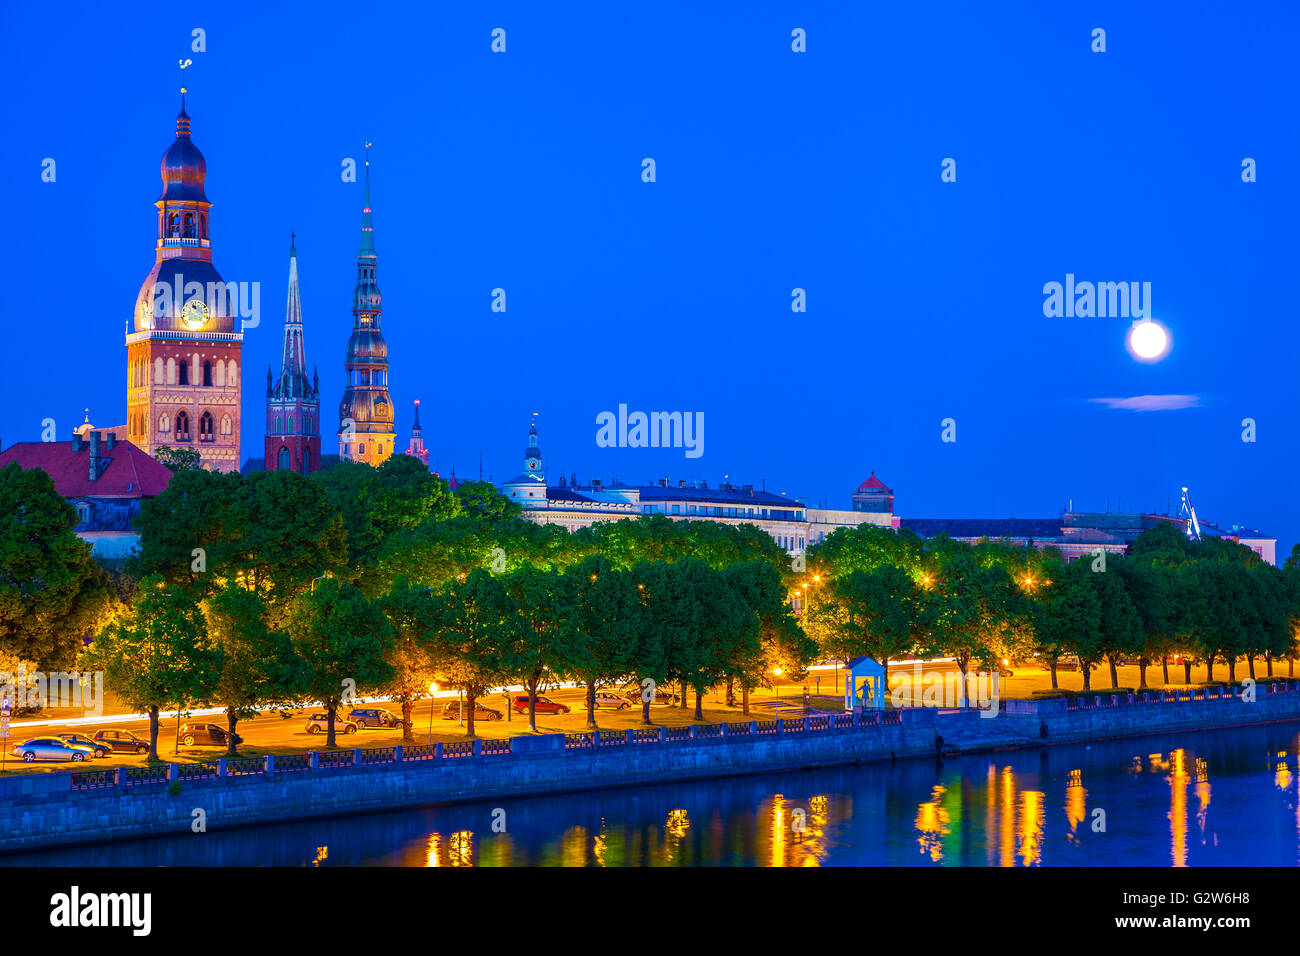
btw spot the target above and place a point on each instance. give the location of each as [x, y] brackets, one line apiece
[368, 145]
[184, 64]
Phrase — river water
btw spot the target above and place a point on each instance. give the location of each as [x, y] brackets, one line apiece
[1214, 798]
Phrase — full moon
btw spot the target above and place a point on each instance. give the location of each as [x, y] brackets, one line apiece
[1148, 340]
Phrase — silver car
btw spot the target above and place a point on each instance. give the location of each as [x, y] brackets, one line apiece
[52, 748]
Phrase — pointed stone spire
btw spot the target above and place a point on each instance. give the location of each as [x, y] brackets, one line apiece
[293, 360]
[367, 222]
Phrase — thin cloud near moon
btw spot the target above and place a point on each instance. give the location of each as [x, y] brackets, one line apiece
[1150, 403]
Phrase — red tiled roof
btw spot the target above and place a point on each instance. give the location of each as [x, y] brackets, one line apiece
[127, 472]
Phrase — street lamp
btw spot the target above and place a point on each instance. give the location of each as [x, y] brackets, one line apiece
[433, 689]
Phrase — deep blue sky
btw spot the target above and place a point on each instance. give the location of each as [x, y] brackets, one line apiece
[775, 170]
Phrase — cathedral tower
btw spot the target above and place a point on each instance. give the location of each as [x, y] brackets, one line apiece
[366, 431]
[293, 402]
[183, 347]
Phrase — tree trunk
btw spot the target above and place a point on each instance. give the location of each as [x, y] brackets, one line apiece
[1187, 671]
[1209, 668]
[961, 692]
[153, 732]
[1268, 663]
[699, 704]
[176, 737]
[1142, 674]
[1164, 665]
[329, 733]
[744, 699]
[684, 691]
[1114, 671]
[470, 697]
[591, 703]
[1250, 665]
[231, 721]
[731, 690]
[1053, 667]
[408, 721]
[531, 684]
[1086, 667]
[645, 709]
[1232, 670]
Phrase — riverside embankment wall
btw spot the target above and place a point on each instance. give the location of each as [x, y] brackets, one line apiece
[57, 809]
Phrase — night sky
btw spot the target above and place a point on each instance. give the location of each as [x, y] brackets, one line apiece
[775, 170]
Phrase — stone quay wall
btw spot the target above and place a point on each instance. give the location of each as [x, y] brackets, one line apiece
[88, 806]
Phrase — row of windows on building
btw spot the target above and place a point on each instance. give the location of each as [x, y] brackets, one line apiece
[346, 450]
[722, 511]
[309, 425]
[196, 371]
[179, 427]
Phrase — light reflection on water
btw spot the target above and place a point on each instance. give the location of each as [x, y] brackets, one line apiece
[1140, 802]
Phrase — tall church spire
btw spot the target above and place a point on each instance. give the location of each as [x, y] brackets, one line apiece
[366, 431]
[293, 403]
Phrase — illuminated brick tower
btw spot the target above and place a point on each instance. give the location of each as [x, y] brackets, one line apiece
[183, 347]
[366, 431]
[293, 402]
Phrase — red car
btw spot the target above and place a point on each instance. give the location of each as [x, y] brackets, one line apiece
[542, 705]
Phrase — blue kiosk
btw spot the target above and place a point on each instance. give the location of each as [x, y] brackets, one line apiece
[864, 685]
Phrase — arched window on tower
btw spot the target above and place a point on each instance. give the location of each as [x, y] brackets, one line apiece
[283, 462]
[220, 377]
[277, 426]
[189, 226]
[232, 377]
[306, 461]
[207, 373]
[203, 225]
[184, 370]
[225, 424]
[158, 371]
[164, 423]
[205, 427]
[174, 226]
[182, 426]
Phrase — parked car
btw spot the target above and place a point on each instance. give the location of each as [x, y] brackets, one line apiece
[121, 741]
[373, 717]
[609, 700]
[661, 696]
[52, 748]
[207, 735]
[101, 750]
[452, 709]
[542, 705]
[320, 724]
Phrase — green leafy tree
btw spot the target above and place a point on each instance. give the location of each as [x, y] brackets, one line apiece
[543, 602]
[877, 614]
[344, 643]
[606, 623]
[179, 459]
[481, 501]
[51, 591]
[476, 636]
[159, 655]
[782, 641]
[195, 513]
[258, 666]
[1071, 618]
[413, 615]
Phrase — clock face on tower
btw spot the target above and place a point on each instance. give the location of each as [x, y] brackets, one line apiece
[194, 314]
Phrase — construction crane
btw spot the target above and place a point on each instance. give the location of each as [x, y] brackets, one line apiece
[1186, 510]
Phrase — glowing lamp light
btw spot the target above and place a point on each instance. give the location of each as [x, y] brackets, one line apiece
[1148, 341]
